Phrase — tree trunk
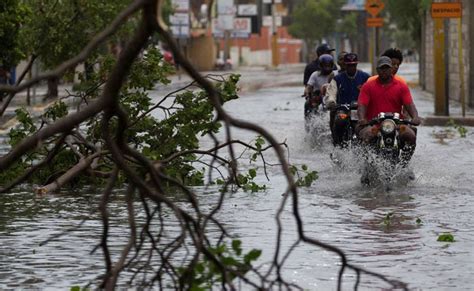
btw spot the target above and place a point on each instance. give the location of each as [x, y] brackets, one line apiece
[52, 88]
[353, 45]
[88, 70]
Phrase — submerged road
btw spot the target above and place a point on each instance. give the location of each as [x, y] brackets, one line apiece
[394, 233]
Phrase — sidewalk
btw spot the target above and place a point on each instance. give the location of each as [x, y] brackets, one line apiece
[252, 78]
[409, 71]
[36, 107]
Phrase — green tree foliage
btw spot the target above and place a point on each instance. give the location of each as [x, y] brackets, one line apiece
[408, 15]
[207, 274]
[188, 116]
[13, 14]
[348, 27]
[315, 19]
[58, 30]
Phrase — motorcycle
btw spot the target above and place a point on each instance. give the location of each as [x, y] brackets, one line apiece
[387, 147]
[345, 121]
[312, 108]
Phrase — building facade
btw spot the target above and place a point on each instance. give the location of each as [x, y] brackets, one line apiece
[249, 41]
[453, 43]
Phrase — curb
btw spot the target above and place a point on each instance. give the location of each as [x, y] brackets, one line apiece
[248, 88]
[445, 120]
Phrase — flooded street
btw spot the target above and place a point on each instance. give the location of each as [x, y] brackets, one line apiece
[336, 209]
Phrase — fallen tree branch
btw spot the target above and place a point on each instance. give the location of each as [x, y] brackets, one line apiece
[37, 166]
[72, 173]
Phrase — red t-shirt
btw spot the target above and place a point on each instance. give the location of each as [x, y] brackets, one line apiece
[396, 77]
[378, 97]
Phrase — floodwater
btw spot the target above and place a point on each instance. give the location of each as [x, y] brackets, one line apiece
[336, 209]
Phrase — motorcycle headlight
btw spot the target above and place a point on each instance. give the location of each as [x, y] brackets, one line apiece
[387, 126]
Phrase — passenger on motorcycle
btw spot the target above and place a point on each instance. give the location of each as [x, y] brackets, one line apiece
[396, 56]
[317, 83]
[397, 59]
[387, 94]
[344, 89]
[340, 62]
[315, 65]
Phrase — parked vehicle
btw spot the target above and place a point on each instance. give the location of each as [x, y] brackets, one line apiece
[222, 65]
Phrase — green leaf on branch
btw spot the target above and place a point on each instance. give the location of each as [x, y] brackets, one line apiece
[259, 142]
[252, 173]
[304, 176]
[56, 111]
[253, 255]
[206, 274]
[237, 246]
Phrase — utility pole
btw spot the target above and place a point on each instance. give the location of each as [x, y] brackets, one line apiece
[275, 53]
[471, 54]
[226, 45]
[439, 64]
[374, 7]
[226, 12]
[441, 12]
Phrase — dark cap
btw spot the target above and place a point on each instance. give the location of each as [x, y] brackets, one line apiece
[384, 61]
[324, 49]
[351, 59]
[340, 56]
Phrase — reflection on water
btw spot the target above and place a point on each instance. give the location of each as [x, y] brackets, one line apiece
[392, 232]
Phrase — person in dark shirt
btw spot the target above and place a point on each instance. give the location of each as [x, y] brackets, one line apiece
[314, 65]
[344, 89]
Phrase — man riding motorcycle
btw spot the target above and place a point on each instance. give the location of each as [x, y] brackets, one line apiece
[315, 88]
[344, 89]
[315, 65]
[396, 56]
[387, 94]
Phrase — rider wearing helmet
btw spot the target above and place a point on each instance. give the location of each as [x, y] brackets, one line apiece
[314, 65]
[318, 81]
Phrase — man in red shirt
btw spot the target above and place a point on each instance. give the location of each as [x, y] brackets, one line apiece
[386, 94]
